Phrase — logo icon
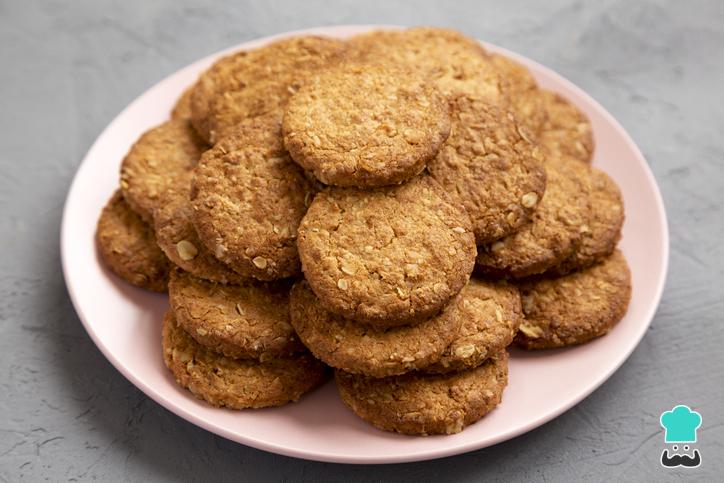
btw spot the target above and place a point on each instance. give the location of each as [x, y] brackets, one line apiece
[680, 425]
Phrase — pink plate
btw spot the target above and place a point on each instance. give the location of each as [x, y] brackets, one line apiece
[124, 322]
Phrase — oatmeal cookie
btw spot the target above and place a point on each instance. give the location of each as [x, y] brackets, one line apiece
[281, 65]
[366, 125]
[450, 60]
[603, 230]
[128, 246]
[248, 198]
[491, 167]
[236, 383]
[361, 349]
[525, 102]
[553, 233]
[386, 257]
[249, 321]
[491, 315]
[250, 105]
[424, 404]
[155, 161]
[178, 239]
[566, 130]
[575, 308]
[518, 77]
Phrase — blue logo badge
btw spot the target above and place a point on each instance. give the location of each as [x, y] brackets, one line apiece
[680, 425]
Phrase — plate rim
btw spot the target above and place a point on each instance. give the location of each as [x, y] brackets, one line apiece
[65, 239]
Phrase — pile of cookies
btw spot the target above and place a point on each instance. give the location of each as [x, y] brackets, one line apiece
[400, 206]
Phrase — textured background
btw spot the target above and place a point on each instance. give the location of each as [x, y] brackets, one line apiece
[68, 67]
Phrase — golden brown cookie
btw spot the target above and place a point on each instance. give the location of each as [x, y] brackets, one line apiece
[525, 102]
[552, 234]
[366, 125]
[603, 230]
[249, 321]
[387, 257]
[361, 349]
[491, 314]
[178, 239]
[248, 198]
[227, 110]
[128, 247]
[450, 60]
[490, 166]
[236, 383]
[416, 403]
[280, 66]
[566, 130]
[518, 76]
[182, 109]
[408, 45]
[153, 163]
[575, 308]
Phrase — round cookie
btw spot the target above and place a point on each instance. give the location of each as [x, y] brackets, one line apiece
[424, 404]
[249, 321]
[386, 257]
[490, 166]
[265, 100]
[566, 130]
[491, 314]
[153, 163]
[429, 49]
[248, 198]
[603, 230]
[365, 125]
[575, 308]
[178, 239]
[552, 234]
[182, 109]
[518, 76]
[525, 102]
[236, 383]
[360, 349]
[283, 63]
[448, 59]
[128, 247]
[408, 45]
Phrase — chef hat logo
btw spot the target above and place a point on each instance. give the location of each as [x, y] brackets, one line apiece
[680, 424]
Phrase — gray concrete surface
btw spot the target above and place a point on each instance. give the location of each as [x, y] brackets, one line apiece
[68, 67]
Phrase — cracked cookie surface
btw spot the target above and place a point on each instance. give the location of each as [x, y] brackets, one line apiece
[361, 349]
[575, 308]
[365, 125]
[386, 257]
[128, 246]
[490, 166]
[249, 321]
[416, 403]
[236, 383]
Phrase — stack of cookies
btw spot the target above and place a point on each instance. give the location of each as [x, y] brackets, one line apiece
[401, 207]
